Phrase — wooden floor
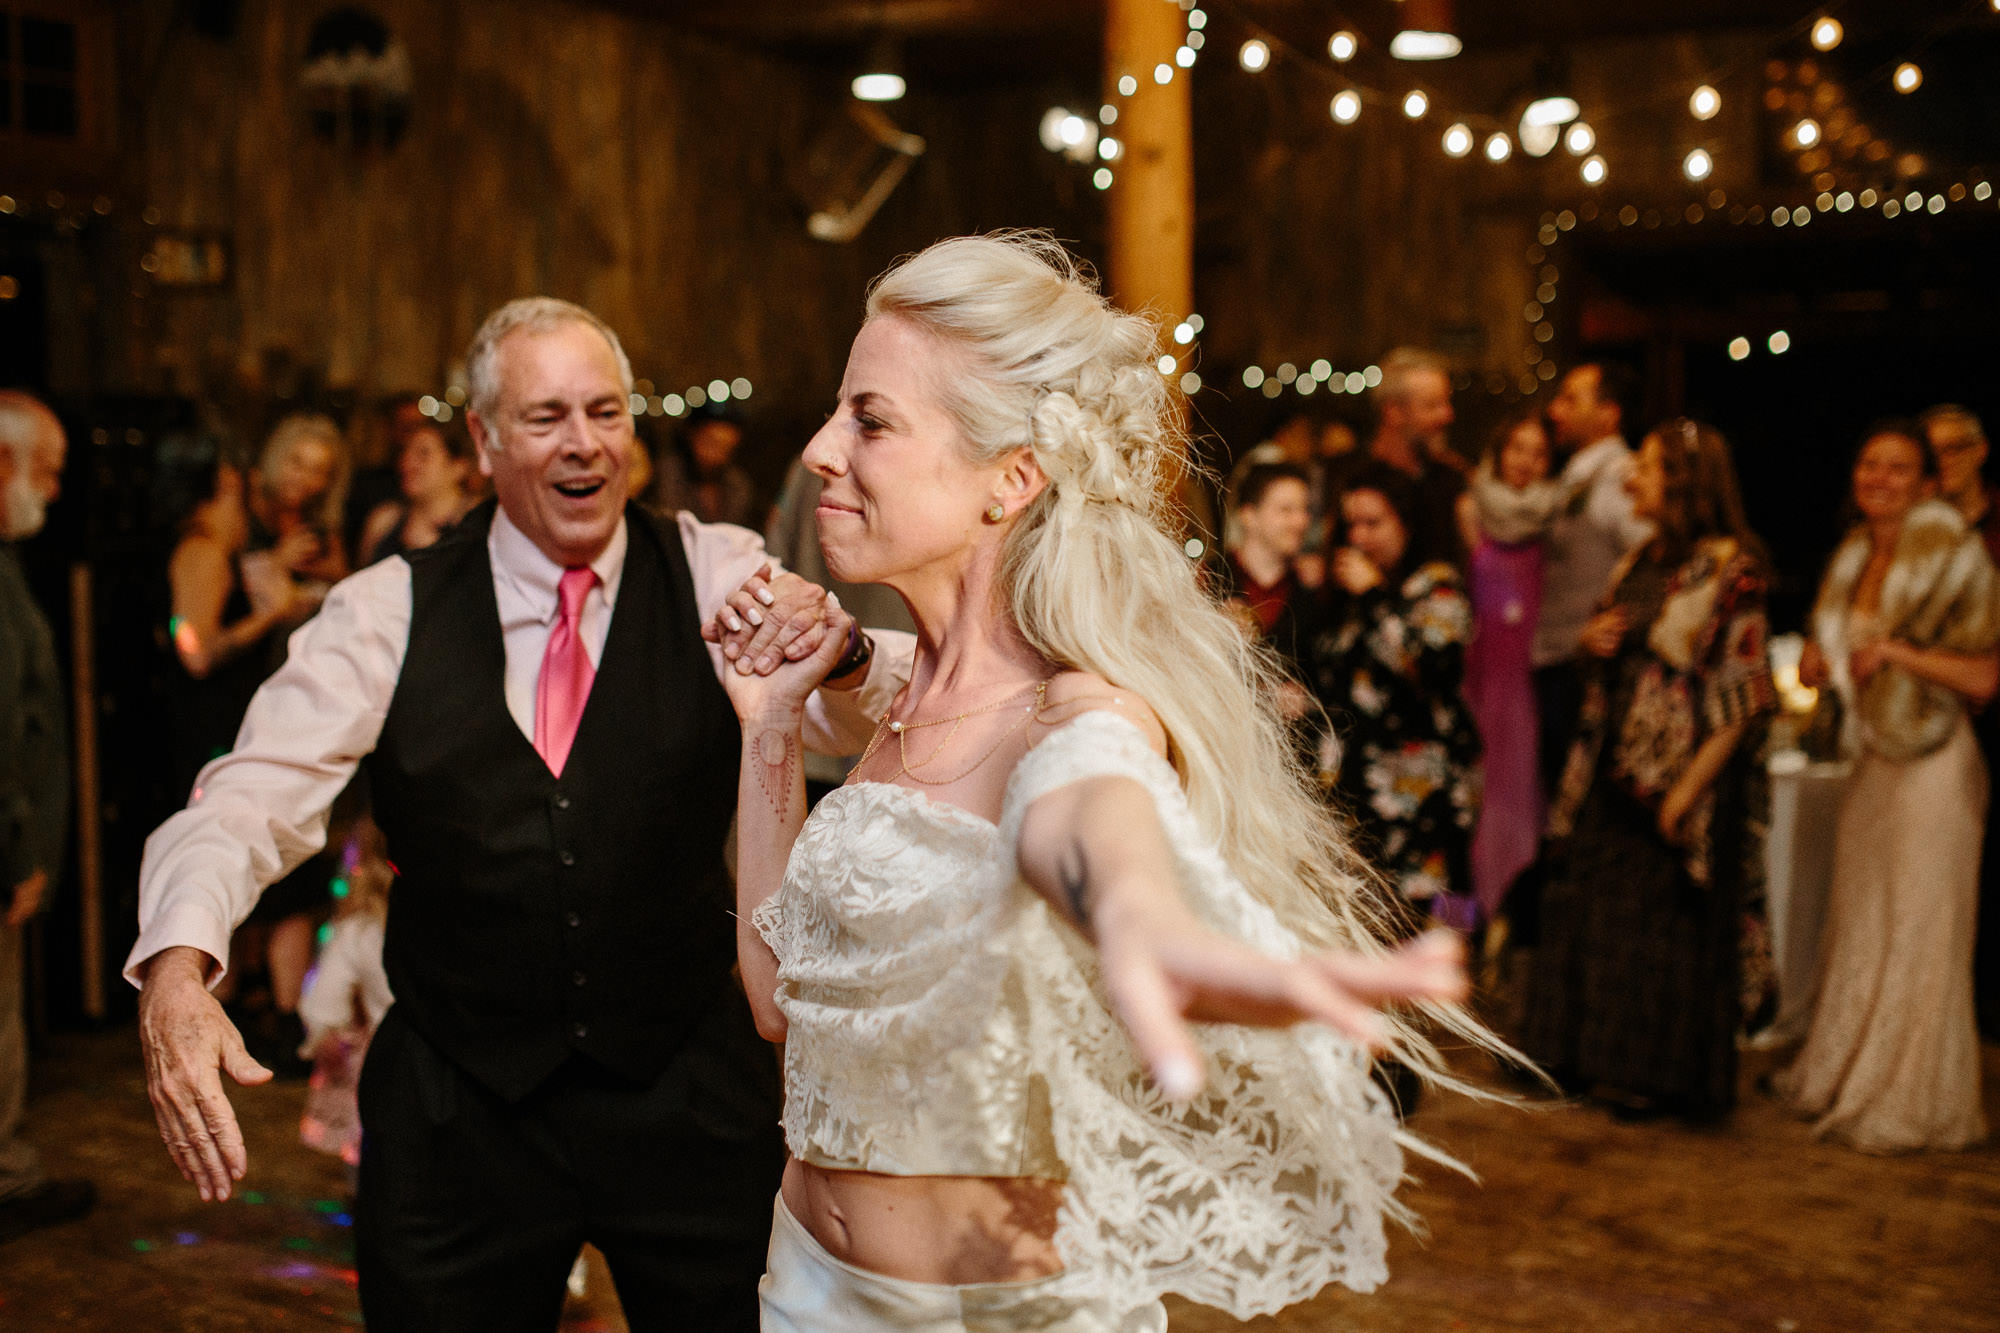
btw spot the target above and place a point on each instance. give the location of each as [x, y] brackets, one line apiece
[1580, 1223]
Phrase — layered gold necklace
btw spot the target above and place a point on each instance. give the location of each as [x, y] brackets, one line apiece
[901, 730]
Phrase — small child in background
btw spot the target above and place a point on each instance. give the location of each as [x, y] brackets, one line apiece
[345, 998]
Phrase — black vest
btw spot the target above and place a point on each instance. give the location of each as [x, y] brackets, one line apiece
[535, 916]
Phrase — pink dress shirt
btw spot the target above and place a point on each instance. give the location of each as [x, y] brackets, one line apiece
[259, 811]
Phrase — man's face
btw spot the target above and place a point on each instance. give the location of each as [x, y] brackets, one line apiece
[1960, 455]
[1427, 408]
[33, 481]
[1578, 415]
[559, 444]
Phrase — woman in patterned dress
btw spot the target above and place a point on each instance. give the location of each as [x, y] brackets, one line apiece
[1634, 992]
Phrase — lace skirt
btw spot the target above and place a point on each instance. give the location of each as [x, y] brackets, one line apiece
[807, 1290]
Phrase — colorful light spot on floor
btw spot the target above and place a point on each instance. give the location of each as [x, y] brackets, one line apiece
[252, 1196]
[142, 1246]
[341, 1220]
[297, 1243]
[187, 1238]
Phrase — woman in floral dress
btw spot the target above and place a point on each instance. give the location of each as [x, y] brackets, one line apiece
[1634, 992]
[1389, 668]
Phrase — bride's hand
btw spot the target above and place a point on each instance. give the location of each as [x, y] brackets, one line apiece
[1162, 977]
[782, 692]
[772, 618]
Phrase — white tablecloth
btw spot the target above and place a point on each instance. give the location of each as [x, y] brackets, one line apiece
[1798, 858]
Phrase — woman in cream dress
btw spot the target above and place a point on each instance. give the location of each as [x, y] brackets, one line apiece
[1080, 830]
[1906, 628]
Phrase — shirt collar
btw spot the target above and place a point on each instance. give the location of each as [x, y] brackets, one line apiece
[536, 578]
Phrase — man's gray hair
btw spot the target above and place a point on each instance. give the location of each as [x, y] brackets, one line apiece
[538, 314]
[24, 419]
[1951, 414]
[1400, 365]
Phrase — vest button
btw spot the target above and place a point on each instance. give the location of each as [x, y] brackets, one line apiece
[577, 978]
[562, 802]
[566, 856]
[573, 920]
[579, 1030]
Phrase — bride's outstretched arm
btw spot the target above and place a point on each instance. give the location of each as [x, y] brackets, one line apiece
[771, 801]
[1097, 851]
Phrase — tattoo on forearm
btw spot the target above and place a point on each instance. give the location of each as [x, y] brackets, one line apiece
[1074, 872]
[775, 756]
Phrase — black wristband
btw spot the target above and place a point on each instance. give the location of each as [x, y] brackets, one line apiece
[860, 649]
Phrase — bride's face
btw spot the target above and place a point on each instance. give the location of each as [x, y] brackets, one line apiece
[900, 497]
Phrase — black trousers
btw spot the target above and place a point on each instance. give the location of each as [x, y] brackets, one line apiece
[472, 1209]
[1558, 705]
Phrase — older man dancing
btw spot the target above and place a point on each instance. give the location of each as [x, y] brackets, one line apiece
[554, 763]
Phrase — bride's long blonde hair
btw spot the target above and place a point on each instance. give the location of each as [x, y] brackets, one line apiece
[1096, 579]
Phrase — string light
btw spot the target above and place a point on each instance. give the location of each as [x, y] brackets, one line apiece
[1704, 102]
[1415, 103]
[1197, 20]
[1163, 74]
[1127, 85]
[1579, 138]
[1499, 147]
[1458, 140]
[1698, 165]
[1184, 57]
[1779, 343]
[1739, 349]
[1343, 44]
[1101, 178]
[1908, 77]
[1253, 55]
[1826, 34]
[1806, 133]
[1594, 170]
[1345, 107]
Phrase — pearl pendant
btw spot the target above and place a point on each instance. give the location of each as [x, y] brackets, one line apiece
[895, 726]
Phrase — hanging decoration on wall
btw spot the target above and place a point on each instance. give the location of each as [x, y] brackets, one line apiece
[356, 80]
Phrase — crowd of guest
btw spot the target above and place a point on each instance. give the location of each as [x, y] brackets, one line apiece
[1538, 684]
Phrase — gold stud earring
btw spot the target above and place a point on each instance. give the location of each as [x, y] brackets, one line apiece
[995, 512]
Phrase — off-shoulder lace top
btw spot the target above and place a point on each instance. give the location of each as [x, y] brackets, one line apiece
[945, 1021]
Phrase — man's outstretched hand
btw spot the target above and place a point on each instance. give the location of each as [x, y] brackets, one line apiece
[187, 1038]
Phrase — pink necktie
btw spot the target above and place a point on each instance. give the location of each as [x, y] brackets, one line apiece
[564, 685]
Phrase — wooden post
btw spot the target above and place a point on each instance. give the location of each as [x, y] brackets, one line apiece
[1150, 212]
[1150, 237]
[89, 830]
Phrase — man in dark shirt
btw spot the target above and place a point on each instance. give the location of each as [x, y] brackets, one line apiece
[1413, 412]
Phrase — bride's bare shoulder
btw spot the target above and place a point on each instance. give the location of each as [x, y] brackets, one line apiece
[1074, 693]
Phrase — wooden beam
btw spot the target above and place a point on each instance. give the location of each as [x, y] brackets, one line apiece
[1150, 233]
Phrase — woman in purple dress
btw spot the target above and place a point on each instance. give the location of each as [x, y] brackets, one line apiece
[1507, 507]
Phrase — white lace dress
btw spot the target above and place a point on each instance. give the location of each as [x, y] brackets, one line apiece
[944, 1020]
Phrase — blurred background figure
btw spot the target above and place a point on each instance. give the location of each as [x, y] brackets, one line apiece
[1504, 515]
[1633, 991]
[295, 496]
[34, 796]
[1907, 629]
[1263, 582]
[345, 1000]
[1389, 667]
[1413, 412]
[221, 632]
[698, 472]
[434, 471]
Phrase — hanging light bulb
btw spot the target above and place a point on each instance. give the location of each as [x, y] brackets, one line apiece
[1499, 147]
[1704, 103]
[1579, 138]
[1826, 33]
[1908, 77]
[1426, 33]
[1593, 170]
[1697, 165]
[1457, 140]
[1253, 55]
[881, 76]
[1346, 106]
[1415, 103]
[1342, 46]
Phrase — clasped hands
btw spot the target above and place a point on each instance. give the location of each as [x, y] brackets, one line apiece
[772, 619]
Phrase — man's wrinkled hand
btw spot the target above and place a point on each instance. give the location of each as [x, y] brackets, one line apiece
[187, 1039]
[772, 619]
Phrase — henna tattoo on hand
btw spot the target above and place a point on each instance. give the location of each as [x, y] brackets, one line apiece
[1074, 872]
[774, 754]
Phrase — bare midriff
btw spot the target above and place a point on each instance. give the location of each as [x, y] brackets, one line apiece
[951, 1230]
